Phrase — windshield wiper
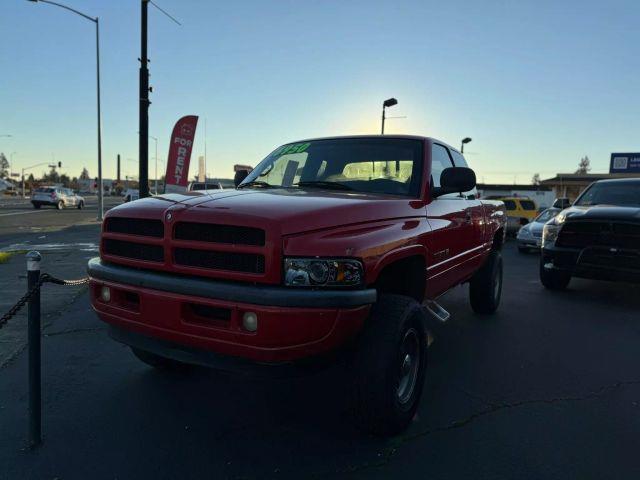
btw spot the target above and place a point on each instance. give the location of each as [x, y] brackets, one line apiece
[256, 183]
[323, 184]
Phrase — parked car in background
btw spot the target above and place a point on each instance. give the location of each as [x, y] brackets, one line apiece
[130, 195]
[58, 197]
[208, 185]
[530, 235]
[520, 211]
[562, 203]
[598, 237]
[334, 248]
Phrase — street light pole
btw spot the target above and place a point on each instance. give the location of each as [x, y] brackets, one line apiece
[97, 24]
[156, 158]
[464, 140]
[390, 102]
[101, 190]
[143, 167]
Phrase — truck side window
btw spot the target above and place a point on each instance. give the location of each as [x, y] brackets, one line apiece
[439, 161]
[459, 161]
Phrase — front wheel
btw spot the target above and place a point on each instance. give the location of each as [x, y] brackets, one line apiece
[523, 249]
[60, 205]
[553, 279]
[36, 206]
[80, 205]
[485, 287]
[390, 366]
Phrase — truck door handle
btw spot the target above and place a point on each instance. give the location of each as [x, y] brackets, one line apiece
[468, 218]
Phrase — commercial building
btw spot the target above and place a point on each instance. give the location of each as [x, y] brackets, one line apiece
[542, 195]
[571, 185]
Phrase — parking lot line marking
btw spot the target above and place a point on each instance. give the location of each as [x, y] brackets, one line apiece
[20, 213]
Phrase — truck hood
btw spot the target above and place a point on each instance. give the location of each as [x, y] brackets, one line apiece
[602, 212]
[293, 210]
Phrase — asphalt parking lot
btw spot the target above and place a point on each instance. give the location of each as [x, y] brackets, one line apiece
[20, 222]
[547, 388]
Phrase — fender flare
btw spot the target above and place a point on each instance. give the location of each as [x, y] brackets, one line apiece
[398, 254]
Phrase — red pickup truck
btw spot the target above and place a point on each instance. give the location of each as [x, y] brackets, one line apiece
[332, 248]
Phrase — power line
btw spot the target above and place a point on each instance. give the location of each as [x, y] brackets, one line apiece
[163, 11]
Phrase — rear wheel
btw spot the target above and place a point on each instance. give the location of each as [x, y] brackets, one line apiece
[80, 205]
[390, 366]
[523, 249]
[36, 205]
[553, 279]
[485, 287]
[158, 362]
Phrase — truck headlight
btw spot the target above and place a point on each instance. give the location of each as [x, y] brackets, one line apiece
[322, 272]
[549, 233]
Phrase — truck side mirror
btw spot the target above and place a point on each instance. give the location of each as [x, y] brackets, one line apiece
[239, 177]
[455, 180]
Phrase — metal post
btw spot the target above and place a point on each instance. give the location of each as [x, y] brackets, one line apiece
[143, 179]
[383, 120]
[101, 189]
[35, 398]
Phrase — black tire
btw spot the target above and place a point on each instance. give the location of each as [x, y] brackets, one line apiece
[36, 206]
[158, 362]
[60, 205]
[553, 279]
[485, 287]
[523, 250]
[80, 205]
[390, 366]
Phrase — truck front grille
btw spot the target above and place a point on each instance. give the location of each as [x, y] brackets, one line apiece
[604, 258]
[133, 250]
[582, 234]
[231, 261]
[134, 226]
[209, 232]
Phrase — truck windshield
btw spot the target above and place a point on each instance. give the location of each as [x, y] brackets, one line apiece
[390, 166]
[624, 194]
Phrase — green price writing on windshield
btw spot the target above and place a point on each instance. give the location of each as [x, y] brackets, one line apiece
[293, 148]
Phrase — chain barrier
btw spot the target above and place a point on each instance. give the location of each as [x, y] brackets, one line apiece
[35, 280]
[44, 278]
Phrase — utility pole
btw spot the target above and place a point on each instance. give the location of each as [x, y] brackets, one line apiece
[118, 170]
[143, 175]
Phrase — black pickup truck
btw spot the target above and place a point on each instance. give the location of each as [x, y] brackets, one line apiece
[597, 237]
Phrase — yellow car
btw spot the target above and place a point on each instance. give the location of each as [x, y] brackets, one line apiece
[520, 211]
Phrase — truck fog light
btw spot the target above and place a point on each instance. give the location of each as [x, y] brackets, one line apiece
[105, 294]
[250, 321]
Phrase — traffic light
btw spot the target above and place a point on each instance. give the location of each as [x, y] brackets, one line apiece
[59, 164]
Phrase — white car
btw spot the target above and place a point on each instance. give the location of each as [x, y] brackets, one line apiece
[58, 197]
[131, 195]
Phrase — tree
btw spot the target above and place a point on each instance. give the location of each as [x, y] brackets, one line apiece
[584, 166]
[535, 180]
[52, 176]
[85, 174]
[4, 166]
[65, 180]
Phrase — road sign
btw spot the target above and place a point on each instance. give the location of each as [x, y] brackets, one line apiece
[625, 163]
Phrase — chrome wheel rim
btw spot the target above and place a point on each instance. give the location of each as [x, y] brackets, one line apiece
[409, 364]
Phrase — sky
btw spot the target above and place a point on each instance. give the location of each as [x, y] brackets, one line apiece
[536, 84]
